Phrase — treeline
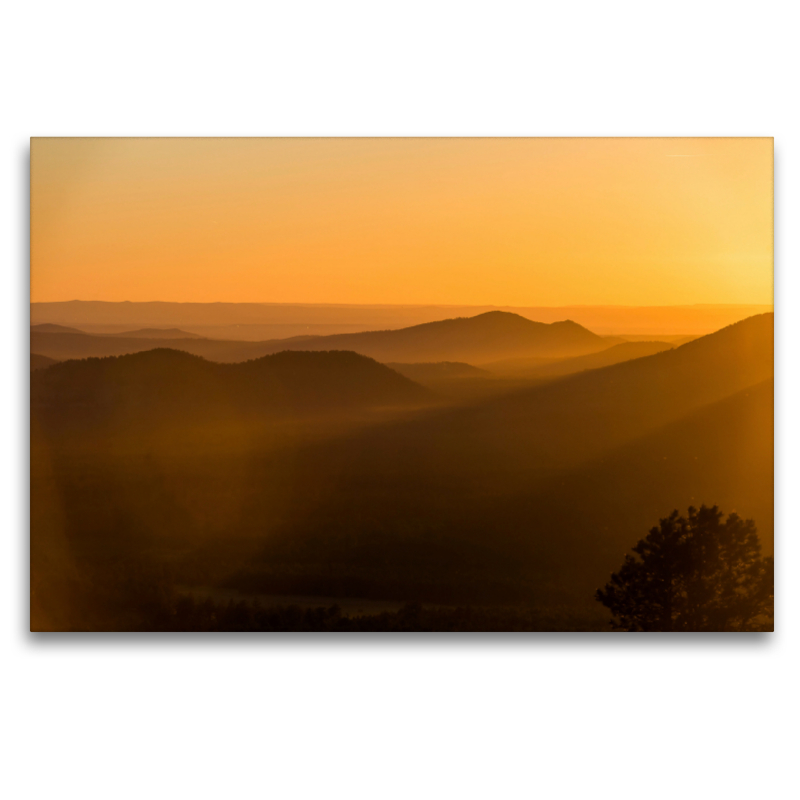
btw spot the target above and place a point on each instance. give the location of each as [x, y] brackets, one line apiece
[145, 604]
[189, 614]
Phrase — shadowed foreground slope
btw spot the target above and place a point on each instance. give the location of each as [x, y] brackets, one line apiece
[535, 368]
[517, 486]
[554, 539]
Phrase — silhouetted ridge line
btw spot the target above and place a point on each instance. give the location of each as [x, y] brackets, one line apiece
[473, 340]
[41, 362]
[171, 381]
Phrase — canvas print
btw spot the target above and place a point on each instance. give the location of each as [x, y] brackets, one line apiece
[412, 384]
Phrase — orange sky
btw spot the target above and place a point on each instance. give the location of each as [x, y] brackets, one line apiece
[451, 221]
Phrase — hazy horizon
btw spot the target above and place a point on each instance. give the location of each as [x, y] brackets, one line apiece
[523, 222]
[280, 320]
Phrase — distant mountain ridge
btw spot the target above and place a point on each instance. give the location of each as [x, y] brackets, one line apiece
[203, 318]
[473, 340]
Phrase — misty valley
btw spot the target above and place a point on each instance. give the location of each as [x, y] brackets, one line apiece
[484, 473]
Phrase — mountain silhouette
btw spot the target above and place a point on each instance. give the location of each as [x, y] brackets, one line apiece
[474, 340]
[170, 383]
[487, 337]
[585, 412]
[41, 362]
[210, 319]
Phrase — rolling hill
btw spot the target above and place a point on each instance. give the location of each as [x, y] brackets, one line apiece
[581, 414]
[487, 337]
[555, 425]
[166, 383]
[474, 340]
[41, 362]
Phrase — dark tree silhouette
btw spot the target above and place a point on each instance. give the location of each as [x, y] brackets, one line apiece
[694, 573]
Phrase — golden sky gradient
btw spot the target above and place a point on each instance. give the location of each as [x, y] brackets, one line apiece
[449, 221]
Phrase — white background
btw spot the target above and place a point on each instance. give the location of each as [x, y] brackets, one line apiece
[425, 716]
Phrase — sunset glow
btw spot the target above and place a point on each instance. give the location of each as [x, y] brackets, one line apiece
[412, 221]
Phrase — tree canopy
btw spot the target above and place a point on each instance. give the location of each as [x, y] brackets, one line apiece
[694, 573]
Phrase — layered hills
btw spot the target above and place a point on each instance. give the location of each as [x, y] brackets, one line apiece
[474, 340]
[531, 497]
[256, 321]
[169, 383]
[577, 416]
[41, 362]
[504, 492]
